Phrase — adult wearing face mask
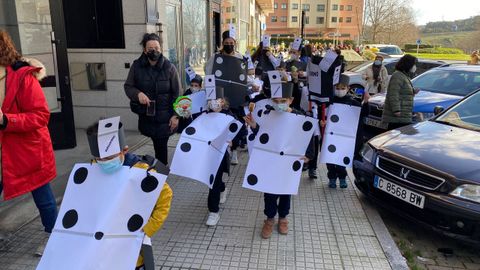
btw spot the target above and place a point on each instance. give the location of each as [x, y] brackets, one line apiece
[228, 48]
[376, 76]
[152, 86]
[398, 108]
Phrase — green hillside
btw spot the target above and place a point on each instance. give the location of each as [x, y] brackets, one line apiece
[446, 39]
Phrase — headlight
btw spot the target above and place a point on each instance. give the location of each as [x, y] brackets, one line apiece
[468, 192]
[367, 153]
[424, 116]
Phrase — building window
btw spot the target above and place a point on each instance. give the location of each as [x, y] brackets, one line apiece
[349, 8]
[294, 19]
[348, 19]
[94, 24]
[274, 19]
[229, 9]
[320, 20]
[306, 7]
[340, 20]
[284, 6]
[275, 6]
[307, 20]
[227, 20]
[321, 8]
[233, 8]
[335, 7]
[334, 19]
[234, 20]
[341, 7]
[294, 6]
[283, 19]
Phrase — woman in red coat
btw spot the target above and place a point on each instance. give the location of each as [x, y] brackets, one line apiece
[27, 158]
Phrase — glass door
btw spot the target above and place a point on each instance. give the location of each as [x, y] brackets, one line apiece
[41, 33]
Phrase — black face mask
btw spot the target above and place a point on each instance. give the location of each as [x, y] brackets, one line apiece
[153, 55]
[228, 48]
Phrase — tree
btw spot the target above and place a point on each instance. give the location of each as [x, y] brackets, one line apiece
[390, 21]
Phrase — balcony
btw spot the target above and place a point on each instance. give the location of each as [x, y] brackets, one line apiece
[266, 6]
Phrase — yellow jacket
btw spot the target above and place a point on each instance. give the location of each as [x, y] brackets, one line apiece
[159, 213]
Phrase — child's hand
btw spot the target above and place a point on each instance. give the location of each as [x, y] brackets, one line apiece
[250, 121]
[305, 159]
[322, 123]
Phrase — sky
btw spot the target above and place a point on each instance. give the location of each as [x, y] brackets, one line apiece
[448, 10]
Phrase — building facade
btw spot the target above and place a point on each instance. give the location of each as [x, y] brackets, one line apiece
[87, 63]
[248, 16]
[324, 19]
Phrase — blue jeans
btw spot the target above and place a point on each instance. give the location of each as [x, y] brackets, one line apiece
[45, 202]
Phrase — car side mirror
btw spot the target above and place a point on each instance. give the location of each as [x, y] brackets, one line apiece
[438, 109]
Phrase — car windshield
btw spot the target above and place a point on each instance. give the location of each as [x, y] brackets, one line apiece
[391, 50]
[452, 82]
[465, 114]
[361, 67]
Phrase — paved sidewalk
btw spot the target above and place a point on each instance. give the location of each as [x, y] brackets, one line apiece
[328, 230]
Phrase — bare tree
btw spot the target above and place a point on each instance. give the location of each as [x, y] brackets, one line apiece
[387, 19]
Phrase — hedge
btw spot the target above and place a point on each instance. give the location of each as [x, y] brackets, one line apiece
[438, 51]
[413, 47]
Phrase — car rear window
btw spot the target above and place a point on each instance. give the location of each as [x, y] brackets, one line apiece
[453, 82]
[391, 50]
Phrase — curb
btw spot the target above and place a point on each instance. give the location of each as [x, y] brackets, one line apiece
[393, 254]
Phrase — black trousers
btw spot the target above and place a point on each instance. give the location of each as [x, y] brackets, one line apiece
[214, 192]
[312, 164]
[161, 149]
[239, 114]
[336, 171]
[276, 203]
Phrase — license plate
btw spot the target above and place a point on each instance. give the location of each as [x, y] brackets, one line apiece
[400, 192]
[376, 123]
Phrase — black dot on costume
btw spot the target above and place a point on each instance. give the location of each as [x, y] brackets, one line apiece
[108, 125]
[264, 138]
[334, 118]
[212, 178]
[233, 127]
[332, 148]
[80, 175]
[307, 126]
[346, 160]
[135, 223]
[281, 153]
[186, 147]
[209, 142]
[259, 113]
[252, 180]
[251, 137]
[296, 165]
[274, 77]
[149, 183]
[99, 235]
[70, 219]
[190, 130]
[331, 133]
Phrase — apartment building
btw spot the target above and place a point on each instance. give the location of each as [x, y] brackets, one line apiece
[324, 19]
[248, 16]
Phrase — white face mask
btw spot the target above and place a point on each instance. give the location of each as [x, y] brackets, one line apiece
[294, 57]
[281, 107]
[195, 89]
[215, 105]
[413, 69]
[340, 92]
[377, 62]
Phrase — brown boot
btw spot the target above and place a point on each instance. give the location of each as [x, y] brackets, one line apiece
[283, 225]
[268, 228]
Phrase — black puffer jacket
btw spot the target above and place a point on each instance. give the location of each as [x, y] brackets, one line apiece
[160, 83]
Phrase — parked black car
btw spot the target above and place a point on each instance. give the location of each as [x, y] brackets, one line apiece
[430, 171]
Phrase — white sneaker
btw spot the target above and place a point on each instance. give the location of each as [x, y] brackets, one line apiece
[234, 159]
[223, 196]
[213, 219]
